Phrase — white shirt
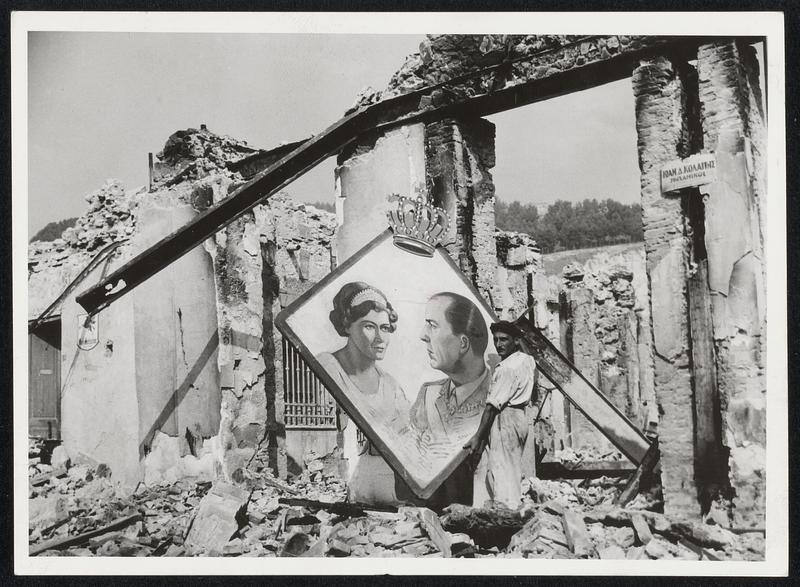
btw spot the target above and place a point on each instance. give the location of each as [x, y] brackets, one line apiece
[512, 381]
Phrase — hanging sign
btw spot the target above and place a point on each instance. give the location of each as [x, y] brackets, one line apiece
[690, 172]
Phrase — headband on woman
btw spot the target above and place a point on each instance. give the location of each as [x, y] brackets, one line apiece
[367, 294]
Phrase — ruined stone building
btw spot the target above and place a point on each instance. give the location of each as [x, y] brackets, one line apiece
[187, 374]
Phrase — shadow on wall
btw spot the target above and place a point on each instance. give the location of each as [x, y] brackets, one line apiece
[180, 393]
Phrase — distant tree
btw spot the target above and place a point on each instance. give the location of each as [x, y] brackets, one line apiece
[590, 223]
[53, 230]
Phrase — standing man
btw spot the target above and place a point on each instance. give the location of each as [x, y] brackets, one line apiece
[497, 445]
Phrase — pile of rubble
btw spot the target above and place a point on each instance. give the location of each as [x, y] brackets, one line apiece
[192, 154]
[109, 218]
[514, 59]
[79, 511]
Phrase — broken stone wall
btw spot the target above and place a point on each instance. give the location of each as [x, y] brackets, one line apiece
[517, 264]
[109, 218]
[605, 310]
[515, 59]
[733, 127]
[705, 262]
[149, 400]
[660, 89]
[459, 157]
[276, 252]
[145, 394]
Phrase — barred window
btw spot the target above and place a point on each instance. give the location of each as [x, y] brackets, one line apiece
[308, 404]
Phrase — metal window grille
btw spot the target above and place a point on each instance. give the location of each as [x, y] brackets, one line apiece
[307, 403]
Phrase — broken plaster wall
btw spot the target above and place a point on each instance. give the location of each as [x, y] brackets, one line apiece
[603, 308]
[128, 400]
[734, 130]
[177, 381]
[459, 155]
[146, 400]
[273, 253]
[367, 175]
[99, 404]
[660, 93]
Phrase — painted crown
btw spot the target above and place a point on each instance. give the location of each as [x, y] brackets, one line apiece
[418, 227]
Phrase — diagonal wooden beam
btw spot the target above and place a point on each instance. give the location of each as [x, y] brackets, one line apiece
[586, 397]
[399, 110]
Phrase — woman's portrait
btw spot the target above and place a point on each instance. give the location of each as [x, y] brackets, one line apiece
[366, 320]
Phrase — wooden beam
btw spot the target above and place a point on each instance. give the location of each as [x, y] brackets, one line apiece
[645, 467]
[396, 111]
[340, 508]
[597, 408]
[584, 470]
[707, 429]
[67, 541]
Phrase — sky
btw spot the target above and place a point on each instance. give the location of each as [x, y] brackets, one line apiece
[99, 102]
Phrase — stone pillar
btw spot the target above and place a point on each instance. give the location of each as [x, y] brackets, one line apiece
[367, 175]
[661, 124]
[734, 130]
[252, 434]
[459, 155]
[584, 352]
[240, 311]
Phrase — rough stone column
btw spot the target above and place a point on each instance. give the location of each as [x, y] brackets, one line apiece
[251, 435]
[733, 129]
[240, 308]
[584, 352]
[661, 124]
[459, 155]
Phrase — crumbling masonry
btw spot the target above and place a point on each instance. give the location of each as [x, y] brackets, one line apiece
[686, 349]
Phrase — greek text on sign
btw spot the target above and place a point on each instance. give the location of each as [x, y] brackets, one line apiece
[693, 171]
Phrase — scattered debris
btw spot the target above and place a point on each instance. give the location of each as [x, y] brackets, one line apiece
[79, 511]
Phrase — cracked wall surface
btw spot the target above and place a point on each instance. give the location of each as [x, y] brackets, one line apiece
[367, 175]
[733, 127]
[266, 257]
[459, 155]
[659, 89]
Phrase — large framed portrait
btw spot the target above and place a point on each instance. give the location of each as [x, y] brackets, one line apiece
[402, 342]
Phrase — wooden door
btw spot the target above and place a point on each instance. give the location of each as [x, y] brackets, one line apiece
[44, 381]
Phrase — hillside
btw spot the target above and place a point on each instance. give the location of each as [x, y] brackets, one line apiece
[554, 263]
